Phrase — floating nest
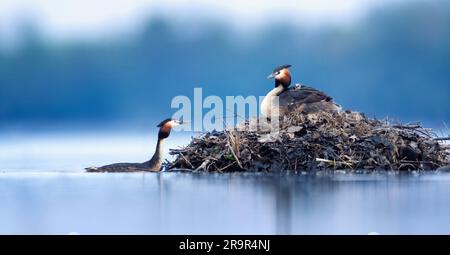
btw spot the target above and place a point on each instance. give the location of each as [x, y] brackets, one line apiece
[320, 141]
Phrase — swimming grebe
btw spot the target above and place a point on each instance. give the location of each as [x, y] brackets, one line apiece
[298, 98]
[154, 164]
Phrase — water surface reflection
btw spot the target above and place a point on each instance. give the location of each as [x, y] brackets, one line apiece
[240, 203]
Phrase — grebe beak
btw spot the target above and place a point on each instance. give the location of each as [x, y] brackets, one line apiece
[179, 122]
[270, 76]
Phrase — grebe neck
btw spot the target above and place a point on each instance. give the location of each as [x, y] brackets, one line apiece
[267, 102]
[156, 161]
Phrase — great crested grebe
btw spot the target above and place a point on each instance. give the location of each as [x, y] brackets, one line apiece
[154, 164]
[298, 98]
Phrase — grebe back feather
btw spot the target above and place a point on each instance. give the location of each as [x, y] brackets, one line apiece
[306, 99]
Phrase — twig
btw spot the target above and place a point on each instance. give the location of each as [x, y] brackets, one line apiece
[231, 140]
[234, 155]
[203, 165]
[334, 161]
[187, 161]
[442, 139]
[223, 168]
[407, 126]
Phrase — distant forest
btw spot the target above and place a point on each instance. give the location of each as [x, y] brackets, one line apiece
[394, 62]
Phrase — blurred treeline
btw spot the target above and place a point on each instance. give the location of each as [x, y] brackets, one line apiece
[393, 62]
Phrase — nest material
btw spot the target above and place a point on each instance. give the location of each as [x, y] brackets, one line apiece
[318, 141]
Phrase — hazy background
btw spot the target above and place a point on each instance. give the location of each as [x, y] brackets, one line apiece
[83, 83]
[117, 64]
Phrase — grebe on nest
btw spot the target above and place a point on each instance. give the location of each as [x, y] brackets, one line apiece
[298, 98]
[154, 164]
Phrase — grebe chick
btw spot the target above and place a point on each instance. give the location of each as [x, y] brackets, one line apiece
[154, 164]
[299, 98]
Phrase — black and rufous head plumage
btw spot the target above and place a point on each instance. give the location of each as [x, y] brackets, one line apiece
[282, 76]
[166, 126]
[279, 68]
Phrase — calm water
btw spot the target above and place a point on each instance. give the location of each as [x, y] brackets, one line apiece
[43, 190]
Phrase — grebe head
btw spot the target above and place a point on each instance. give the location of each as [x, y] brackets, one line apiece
[282, 76]
[166, 126]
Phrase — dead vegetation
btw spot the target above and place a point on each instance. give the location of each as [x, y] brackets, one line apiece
[318, 141]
